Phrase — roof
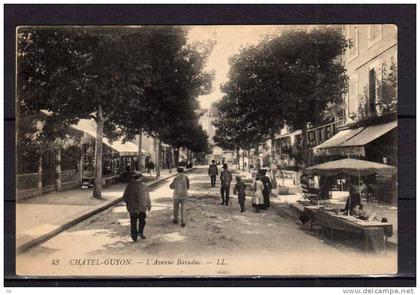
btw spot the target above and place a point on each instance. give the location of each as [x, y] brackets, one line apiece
[124, 149]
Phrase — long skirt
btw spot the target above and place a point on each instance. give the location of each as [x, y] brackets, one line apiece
[258, 198]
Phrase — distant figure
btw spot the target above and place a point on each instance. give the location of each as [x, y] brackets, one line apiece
[353, 200]
[213, 172]
[150, 167]
[258, 197]
[239, 189]
[225, 180]
[137, 199]
[180, 185]
[267, 189]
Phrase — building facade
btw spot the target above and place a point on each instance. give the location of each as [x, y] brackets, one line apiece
[208, 116]
[369, 63]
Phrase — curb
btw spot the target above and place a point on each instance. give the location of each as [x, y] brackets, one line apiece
[45, 237]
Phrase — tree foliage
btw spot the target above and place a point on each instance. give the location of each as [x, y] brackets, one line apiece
[285, 79]
[126, 78]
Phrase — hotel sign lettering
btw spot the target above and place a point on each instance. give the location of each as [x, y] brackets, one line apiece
[316, 136]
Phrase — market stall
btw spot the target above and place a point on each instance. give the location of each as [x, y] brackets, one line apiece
[375, 231]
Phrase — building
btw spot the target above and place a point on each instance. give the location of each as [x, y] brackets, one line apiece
[206, 119]
[370, 129]
[370, 107]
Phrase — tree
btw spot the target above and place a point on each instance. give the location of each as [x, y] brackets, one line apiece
[76, 73]
[288, 79]
[177, 78]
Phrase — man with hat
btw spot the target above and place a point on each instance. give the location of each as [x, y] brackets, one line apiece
[180, 185]
[225, 180]
[137, 199]
[213, 172]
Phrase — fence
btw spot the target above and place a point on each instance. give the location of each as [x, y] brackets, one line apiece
[69, 179]
[28, 185]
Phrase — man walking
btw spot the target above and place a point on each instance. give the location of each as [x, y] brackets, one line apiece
[180, 185]
[213, 172]
[137, 199]
[240, 189]
[225, 179]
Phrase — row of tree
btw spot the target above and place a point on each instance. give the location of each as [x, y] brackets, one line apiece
[130, 80]
[286, 79]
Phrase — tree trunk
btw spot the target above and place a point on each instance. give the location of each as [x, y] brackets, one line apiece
[176, 157]
[273, 150]
[249, 160]
[238, 158]
[170, 159]
[158, 158]
[188, 155]
[140, 152]
[97, 191]
[243, 160]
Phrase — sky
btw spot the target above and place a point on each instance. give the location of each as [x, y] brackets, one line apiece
[229, 39]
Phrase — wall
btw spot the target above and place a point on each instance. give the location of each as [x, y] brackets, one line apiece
[367, 54]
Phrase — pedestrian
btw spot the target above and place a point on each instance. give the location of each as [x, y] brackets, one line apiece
[239, 189]
[267, 189]
[213, 172]
[257, 197]
[150, 167]
[225, 180]
[137, 199]
[180, 185]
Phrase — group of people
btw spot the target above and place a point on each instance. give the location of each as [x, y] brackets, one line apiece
[261, 187]
[137, 199]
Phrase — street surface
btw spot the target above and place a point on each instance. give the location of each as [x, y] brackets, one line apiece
[217, 240]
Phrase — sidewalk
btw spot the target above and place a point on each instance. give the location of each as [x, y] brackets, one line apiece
[288, 205]
[42, 217]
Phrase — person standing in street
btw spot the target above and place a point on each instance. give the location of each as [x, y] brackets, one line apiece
[239, 189]
[137, 199]
[150, 167]
[267, 189]
[213, 172]
[257, 197]
[225, 179]
[180, 185]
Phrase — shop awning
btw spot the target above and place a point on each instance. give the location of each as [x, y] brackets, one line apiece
[339, 138]
[369, 134]
[348, 140]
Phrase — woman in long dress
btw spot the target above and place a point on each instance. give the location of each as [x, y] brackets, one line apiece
[258, 197]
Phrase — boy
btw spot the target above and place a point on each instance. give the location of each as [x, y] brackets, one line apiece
[239, 189]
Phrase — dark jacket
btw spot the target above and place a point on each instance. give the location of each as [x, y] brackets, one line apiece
[225, 178]
[267, 184]
[213, 170]
[136, 196]
[355, 200]
[239, 189]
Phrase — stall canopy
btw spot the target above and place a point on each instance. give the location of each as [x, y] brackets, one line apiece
[353, 167]
[352, 141]
[123, 149]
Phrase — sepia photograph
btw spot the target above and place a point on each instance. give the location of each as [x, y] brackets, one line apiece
[150, 151]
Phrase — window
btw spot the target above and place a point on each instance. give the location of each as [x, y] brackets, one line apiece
[374, 34]
[353, 36]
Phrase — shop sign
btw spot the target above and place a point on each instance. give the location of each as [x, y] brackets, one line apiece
[316, 136]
